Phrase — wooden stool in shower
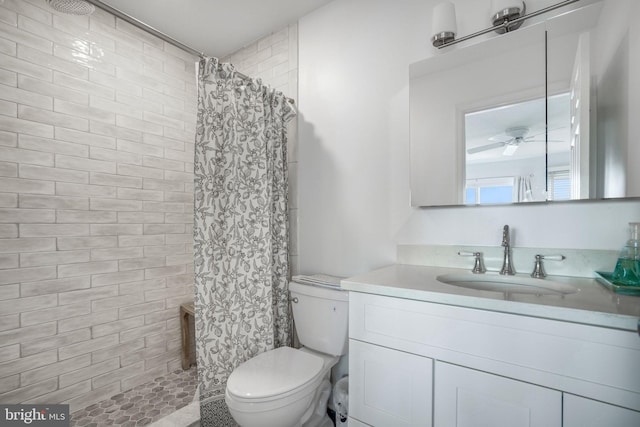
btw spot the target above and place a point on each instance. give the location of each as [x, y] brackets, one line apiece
[186, 310]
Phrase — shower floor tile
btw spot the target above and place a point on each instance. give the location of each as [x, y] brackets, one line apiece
[143, 404]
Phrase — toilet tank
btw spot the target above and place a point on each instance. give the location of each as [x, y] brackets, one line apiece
[321, 315]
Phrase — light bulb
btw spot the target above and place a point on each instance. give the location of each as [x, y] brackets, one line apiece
[443, 24]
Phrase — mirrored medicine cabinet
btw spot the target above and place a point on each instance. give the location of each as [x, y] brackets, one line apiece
[546, 113]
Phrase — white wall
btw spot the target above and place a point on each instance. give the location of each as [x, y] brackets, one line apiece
[354, 148]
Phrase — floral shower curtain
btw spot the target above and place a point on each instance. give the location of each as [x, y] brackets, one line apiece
[240, 223]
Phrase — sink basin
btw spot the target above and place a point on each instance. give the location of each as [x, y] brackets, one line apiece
[510, 284]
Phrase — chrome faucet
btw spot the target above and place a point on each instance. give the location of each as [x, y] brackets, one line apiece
[507, 266]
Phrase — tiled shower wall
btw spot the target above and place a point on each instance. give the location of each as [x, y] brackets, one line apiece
[97, 122]
[274, 59]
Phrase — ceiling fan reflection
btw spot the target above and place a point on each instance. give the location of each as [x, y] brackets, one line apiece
[516, 136]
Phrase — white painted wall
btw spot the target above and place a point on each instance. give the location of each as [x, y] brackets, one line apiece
[354, 148]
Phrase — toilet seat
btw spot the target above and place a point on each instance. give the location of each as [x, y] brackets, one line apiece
[274, 374]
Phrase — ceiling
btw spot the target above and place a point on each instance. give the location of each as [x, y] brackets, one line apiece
[216, 27]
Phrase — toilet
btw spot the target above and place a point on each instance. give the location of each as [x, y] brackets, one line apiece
[287, 387]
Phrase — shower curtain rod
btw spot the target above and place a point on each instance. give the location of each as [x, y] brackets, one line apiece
[145, 27]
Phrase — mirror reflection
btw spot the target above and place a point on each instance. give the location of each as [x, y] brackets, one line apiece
[484, 132]
[508, 159]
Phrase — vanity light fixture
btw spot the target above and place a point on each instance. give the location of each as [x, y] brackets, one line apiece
[444, 24]
[505, 11]
[504, 19]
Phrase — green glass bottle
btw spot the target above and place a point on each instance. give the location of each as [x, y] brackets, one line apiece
[627, 271]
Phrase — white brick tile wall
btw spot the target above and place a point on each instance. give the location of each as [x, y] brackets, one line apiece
[9, 291]
[53, 202]
[120, 277]
[53, 174]
[54, 286]
[10, 323]
[116, 302]
[164, 229]
[40, 115]
[89, 372]
[27, 245]
[87, 295]
[97, 122]
[8, 261]
[117, 326]
[8, 169]
[52, 230]
[24, 67]
[87, 346]
[98, 119]
[115, 156]
[50, 145]
[28, 362]
[85, 217]
[142, 308]
[24, 186]
[115, 253]
[85, 268]
[9, 352]
[35, 259]
[125, 350]
[17, 335]
[94, 318]
[55, 369]
[67, 189]
[115, 230]
[115, 180]
[40, 345]
[17, 275]
[62, 393]
[24, 393]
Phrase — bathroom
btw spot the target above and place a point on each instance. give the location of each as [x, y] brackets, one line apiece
[81, 238]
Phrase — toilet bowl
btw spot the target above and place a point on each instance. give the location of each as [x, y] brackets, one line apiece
[287, 387]
[280, 388]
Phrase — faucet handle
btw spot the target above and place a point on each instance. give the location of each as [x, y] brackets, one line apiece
[478, 266]
[538, 268]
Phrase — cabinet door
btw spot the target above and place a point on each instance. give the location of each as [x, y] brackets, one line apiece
[469, 398]
[389, 388]
[581, 412]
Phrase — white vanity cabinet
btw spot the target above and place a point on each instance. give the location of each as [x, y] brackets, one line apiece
[581, 412]
[389, 388]
[418, 363]
[469, 398]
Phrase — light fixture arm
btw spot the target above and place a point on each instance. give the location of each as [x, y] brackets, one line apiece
[509, 23]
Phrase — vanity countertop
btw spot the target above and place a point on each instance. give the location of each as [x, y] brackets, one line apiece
[592, 304]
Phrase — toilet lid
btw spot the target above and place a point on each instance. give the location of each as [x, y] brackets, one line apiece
[273, 372]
